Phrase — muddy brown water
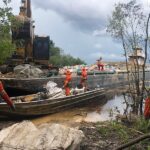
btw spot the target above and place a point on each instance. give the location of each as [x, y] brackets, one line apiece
[93, 112]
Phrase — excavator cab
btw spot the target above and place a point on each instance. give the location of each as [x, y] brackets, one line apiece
[29, 48]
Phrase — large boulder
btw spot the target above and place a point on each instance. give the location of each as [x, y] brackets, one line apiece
[28, 71]
[27, 136]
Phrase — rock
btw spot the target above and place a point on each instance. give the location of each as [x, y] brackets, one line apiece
[28, 71]
[5, 69]
[27, 136]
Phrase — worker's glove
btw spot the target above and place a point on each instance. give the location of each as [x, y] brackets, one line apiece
[12, 107]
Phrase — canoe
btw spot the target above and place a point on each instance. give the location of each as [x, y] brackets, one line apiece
[49, 106]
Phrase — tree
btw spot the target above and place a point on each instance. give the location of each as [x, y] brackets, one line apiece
[6, 17]
[59, 59]
[128, 25]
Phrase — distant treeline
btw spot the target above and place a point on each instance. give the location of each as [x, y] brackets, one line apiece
[58, 58]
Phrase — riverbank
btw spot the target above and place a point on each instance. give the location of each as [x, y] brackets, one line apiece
[109, 134]
[99, 134]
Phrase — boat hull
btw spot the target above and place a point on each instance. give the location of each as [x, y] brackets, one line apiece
[49, 106]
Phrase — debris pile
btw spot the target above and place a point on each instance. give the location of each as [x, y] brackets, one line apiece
[27, 136]
[53, 91]
[27, 71]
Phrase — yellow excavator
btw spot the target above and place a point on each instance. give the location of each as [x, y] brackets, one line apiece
[29, 48]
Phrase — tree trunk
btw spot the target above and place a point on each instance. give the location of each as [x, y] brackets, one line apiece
[143, 137]
[143, 67]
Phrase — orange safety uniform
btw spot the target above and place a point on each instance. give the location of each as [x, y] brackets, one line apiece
[100, 65]
[67, 82]
[83, 77]
[5, 96]
[147, 108]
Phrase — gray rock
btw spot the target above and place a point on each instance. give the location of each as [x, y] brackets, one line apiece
[27, 136]
[28, 71]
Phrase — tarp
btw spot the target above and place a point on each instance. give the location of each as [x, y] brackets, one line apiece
[53, 91]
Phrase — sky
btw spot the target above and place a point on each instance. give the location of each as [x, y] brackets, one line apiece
[78, 27]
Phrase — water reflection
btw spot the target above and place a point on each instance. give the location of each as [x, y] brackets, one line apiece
[93, 112]
[108, 111]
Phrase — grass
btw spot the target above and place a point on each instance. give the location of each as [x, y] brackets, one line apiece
[142, 125]
[114, 129]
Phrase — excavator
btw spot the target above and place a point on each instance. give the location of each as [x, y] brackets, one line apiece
[29, 47]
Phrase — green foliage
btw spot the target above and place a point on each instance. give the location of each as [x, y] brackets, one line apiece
[54, 51]
[6, 49]
[127, 23]
[120, 131]
[59, 59]
[65, 60]
[142, 125]
[5, 20]
[6, 46]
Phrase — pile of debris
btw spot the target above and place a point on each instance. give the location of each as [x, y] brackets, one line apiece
[23, 71]
[52, 91]
[28, 71]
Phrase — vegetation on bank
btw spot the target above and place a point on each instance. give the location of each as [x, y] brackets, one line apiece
[113, 135]
[129, 24]
[58, 58]
[6, 45]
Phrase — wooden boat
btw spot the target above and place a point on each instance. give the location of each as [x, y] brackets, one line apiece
[48, 106]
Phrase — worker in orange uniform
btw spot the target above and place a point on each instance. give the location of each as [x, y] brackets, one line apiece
[67, 82]
[147, 107]
[5, 97]
[100, 64]
[84, 78]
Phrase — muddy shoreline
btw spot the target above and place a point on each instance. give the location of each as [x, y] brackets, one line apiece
[96, 136]
[78, 112]
[103, 135]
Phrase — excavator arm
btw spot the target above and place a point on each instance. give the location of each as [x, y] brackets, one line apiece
[24, 34]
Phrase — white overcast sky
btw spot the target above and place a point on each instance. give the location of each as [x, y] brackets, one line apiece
[77, 26]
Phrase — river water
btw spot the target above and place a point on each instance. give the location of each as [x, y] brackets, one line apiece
[93, 112]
